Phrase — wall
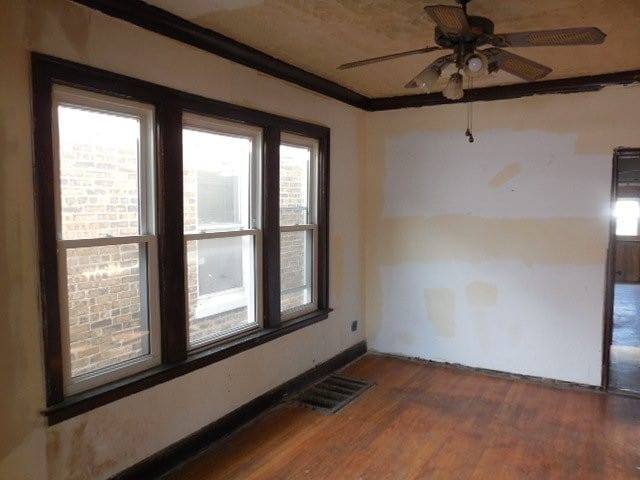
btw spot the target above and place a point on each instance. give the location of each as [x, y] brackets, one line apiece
[492, 254]
[104, 441]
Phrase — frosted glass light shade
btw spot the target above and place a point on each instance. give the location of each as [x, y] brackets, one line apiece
[427, 78]
[453, 90]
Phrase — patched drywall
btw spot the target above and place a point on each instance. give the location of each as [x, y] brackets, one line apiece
[499, 244]
[102, 442]
[481, 294]
[441, 310]
[506, 174]
[501, 315]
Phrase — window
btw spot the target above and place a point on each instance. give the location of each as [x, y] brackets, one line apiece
[220, 183]
[298, 165]
[627, 213]
[174, 231]
[107, 254]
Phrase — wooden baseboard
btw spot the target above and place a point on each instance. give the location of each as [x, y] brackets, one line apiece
[550, 382]
[168, 458]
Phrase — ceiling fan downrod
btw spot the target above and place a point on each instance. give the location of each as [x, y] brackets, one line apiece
[463, 4]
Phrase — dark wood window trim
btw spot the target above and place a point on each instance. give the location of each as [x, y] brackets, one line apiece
[169, 105]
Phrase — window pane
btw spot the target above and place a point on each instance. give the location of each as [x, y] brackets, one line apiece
[296, 269]
[108, 320]
[216, 181]
[627, 214]
[221, 287]
[294, 184]
[99, 177]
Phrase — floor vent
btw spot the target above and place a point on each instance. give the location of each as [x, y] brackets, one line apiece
[332, 393]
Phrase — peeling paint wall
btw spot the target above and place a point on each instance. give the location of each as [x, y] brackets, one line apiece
[104, 441]
[492, 254]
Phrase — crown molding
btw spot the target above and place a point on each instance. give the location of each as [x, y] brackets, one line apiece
[165, 23]
[590, 83]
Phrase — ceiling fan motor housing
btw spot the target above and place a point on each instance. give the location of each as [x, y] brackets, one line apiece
[481, 28]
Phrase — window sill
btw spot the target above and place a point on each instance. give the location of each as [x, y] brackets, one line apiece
[83, 402]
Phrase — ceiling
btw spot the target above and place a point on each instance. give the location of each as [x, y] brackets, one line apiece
[319, 35]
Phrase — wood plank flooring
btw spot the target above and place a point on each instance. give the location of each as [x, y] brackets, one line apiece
[428, 422]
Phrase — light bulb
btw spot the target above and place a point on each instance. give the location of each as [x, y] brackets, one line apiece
[453, 90]
[475, 64]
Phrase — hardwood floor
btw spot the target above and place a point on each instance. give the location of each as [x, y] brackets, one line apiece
[429, 422]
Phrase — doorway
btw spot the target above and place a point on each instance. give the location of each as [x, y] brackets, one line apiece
[622, 322]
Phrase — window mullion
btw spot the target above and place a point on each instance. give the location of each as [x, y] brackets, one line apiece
[322, 219]
[170, 228]
[271, 226]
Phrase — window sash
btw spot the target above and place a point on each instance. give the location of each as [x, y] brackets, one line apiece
[292, 313]
[147, 240]
[71, 97]
[149, 303]
[312, 144]
[254, 134]
[216, 126]
[258, 295]
[291, 140]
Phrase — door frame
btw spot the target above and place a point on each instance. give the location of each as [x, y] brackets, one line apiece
[610, 279]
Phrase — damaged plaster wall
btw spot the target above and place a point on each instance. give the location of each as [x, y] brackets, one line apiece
[492, 254]
[109, 439]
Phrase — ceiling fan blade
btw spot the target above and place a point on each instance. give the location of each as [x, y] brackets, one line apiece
[516, 65]
[550, 38]
[384, 58]
[450, 19]
[436, 67]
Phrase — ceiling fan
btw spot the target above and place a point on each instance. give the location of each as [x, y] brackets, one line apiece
[465, 34]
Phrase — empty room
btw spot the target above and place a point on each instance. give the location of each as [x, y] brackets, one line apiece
[325, 239]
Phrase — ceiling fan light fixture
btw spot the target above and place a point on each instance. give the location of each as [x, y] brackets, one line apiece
[453, 90]
[476, 64]
[427, 78]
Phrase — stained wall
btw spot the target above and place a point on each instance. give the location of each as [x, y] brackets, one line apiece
[106, 440]
[490, 255]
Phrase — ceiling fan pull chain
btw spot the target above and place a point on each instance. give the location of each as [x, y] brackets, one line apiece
[469, 132]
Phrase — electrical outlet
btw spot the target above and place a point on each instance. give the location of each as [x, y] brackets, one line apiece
[354, 325]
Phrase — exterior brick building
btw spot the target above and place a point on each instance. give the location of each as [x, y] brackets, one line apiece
[106, 308]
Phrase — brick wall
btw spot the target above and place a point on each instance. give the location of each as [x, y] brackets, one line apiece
[202, 328]
[100, 196]
[292, 244]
